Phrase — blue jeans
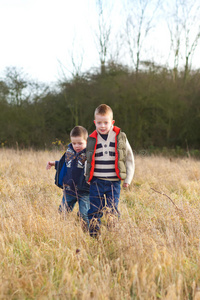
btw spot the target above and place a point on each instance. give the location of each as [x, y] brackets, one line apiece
[99, 189]
[69, 201]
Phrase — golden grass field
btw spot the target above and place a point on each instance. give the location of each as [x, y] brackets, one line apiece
[152, 253]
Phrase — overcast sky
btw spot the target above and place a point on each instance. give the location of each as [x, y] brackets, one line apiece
[37, 35]
[40, 36]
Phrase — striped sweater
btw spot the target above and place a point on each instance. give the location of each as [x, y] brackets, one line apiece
[105, 157]
[124, 162]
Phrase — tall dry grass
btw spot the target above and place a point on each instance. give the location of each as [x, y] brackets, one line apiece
[152, 253]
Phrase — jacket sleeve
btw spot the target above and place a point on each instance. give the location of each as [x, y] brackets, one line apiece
[56, 164]
[130, 163]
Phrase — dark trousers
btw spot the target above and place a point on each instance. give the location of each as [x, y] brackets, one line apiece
[69, 201]
[104, 194]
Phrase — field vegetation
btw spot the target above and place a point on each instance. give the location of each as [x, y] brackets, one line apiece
[153, 251]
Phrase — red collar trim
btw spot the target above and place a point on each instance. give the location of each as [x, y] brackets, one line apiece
[116, 129]
[94, 134]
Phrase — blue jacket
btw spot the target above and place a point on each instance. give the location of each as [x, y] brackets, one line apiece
[70, 171]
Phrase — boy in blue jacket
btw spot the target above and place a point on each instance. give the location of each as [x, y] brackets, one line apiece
[70, 176]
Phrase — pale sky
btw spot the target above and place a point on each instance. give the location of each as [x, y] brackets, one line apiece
[38, 35]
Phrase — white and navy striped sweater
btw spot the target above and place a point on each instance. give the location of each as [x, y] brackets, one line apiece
[105, 157]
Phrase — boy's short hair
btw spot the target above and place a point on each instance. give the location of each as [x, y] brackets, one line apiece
[103, 110]
[79, 131]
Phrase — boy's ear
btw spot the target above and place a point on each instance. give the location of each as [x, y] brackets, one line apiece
[94, 122]
[113, 122]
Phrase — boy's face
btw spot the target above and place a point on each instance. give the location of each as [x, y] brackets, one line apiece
[78, 143]
[103, 123]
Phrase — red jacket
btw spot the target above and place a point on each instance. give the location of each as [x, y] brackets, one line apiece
[91, 161]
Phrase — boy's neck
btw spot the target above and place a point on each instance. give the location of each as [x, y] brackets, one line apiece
[104, 136]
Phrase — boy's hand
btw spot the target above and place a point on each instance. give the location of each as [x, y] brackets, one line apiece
[50, 164]
[125, 185]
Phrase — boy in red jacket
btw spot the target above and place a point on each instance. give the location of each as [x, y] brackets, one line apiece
[109, 160]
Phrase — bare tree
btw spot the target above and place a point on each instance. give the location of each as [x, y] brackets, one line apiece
[184, 27]
[19, 88]
[103, 34]
[74, 69]
[138, 25]
[191, 25]
[17, 84]
[175, 30]
[76, 62]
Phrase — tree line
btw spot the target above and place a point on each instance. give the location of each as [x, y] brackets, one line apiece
[158, 106]
[152, 107]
